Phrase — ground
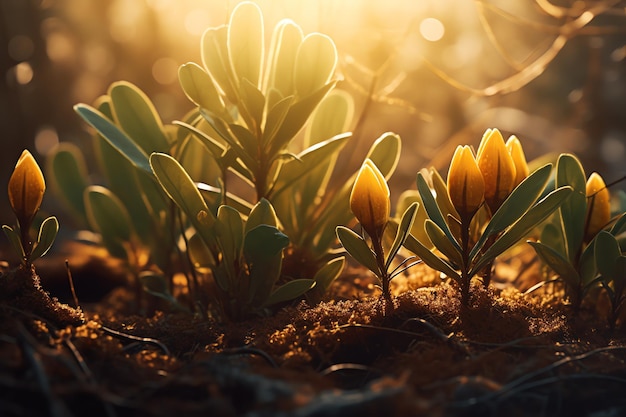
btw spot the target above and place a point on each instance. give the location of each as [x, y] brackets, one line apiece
[508, 353]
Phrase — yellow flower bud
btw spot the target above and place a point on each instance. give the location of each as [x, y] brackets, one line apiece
[497, 167]
[369, 200]
[466, 185]
[598, 206]
[26, 188]
[514, 146]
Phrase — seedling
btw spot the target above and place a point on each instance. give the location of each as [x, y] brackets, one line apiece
[26, 189]
[369, 201]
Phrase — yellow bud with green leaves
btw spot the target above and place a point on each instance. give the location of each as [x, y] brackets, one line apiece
[369, 200]
[598, 206]
[466, 185]
[497, 167]
[514, 146]
[26, 189]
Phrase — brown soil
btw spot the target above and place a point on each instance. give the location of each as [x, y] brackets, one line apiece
[507, 354]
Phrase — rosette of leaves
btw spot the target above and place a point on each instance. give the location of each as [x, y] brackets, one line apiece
[461, 258]
[568, 243]
[245, 258]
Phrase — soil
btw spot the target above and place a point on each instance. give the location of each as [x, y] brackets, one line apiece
[507, 354]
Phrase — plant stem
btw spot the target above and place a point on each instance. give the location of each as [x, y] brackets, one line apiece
[465, 267]
[384, 275]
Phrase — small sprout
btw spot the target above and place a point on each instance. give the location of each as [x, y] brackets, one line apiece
[26, 189]
[497, 167]
[369, 200]
[466, 186]
[514, 146]
[598, 206]
[370, 204]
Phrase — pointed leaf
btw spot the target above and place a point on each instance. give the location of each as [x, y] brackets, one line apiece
[441, 242]
[262, 213]
[538, 213]
[620, 225]
[254, 102]
[402, 233]
[328, 273]
[430, 258]
[289, 291]
[47, 233]
[107, 214]
[516, 204]
[559, 264]
[434, 213]
[14, 240]
[116, 137]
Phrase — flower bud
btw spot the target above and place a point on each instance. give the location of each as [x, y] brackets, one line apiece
[369, 200]
[26, 188]
[598, 206]
[497, 167]
[514, 146]
[466, 185]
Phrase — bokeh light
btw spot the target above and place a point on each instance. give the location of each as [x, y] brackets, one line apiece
[432, 29]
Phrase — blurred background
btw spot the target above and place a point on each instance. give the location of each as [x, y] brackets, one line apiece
[437, 72]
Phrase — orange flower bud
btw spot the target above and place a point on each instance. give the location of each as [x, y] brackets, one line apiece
[598, 206]
[514, 146]
[369, 200]
[497, 167]
[26, 188]
[466, 185]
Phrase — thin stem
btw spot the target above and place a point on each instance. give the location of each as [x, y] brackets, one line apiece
[384, 275]
[465, 267]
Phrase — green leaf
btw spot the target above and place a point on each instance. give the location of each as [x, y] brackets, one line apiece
[211, 194]
[587, 268]
[516, 204]
[538, 213]
[385, 153]
[328, 273]
[434, 213]
[315, 63]
[619, 280]
[275, 118]
[156, 285]
[183, 191]
[606, 252]
[262, 249]
[430, 259]
[254, 102]
[402, 233]
[569, 172]
[558, 263]
[296, 117]
[620, 225]
[107, 214]
[296, 169]
[227, 134]
[441, 242]
[199, 252]
[331, 117]
[199, 88]
[116, 137]
[47, 233]
[286, 40]
[229, 233]
[15, 240]
[135, 113]
[215, 59]
[245, 42]
[66, 170]
[358, 249]
[261, 213]
[289, 291]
